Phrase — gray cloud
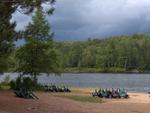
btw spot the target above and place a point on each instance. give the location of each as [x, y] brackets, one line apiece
[81, 19]
[21, 19]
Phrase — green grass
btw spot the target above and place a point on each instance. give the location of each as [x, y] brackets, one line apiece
[4, 86]
[83, 98]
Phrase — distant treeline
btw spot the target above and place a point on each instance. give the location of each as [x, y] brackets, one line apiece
[115, 54]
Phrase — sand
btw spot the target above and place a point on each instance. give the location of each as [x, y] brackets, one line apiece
[51, 103]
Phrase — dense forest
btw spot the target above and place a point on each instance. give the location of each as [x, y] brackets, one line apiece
[115, 54]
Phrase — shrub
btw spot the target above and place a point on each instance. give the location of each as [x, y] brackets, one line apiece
[6, 79]
[12, 84]
[16, 84]
[25, 82]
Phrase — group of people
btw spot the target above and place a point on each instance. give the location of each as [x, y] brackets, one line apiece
[54, 88]
[25, 93]
[110, 93]
[102, 93]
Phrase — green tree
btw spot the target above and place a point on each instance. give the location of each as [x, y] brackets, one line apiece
[39, 27]
[37, 55]
[89, 57]
[7, 29]
[6, 34]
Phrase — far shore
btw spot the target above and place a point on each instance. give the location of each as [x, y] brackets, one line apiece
[107, 70]
[74, 72]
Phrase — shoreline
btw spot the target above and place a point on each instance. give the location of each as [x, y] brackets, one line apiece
[105, 73]
[90, 73]
[103, 70]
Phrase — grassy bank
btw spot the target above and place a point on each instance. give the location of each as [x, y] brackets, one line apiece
[80, 94]
[83, 98]
[94, 70]
[102, 70]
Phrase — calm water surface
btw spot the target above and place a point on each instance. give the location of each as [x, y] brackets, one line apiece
[132, 82]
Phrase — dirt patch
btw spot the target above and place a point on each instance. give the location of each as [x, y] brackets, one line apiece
[50, 103]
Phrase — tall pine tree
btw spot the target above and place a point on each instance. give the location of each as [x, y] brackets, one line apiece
[7, 28]
[37, 55]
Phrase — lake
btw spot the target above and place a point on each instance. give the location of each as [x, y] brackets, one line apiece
[131, 82]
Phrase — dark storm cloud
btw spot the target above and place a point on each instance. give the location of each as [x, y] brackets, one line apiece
[81, 19]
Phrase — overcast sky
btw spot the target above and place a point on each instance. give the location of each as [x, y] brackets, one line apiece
[81, 19]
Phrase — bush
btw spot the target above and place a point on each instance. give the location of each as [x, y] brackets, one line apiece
[6, 79]
[12, 84]
[5, 84]
[16, 84]
[25, 82]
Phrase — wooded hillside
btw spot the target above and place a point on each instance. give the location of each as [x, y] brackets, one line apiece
[115, 54]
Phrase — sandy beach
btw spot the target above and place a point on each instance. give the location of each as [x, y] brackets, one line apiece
[53, 103]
